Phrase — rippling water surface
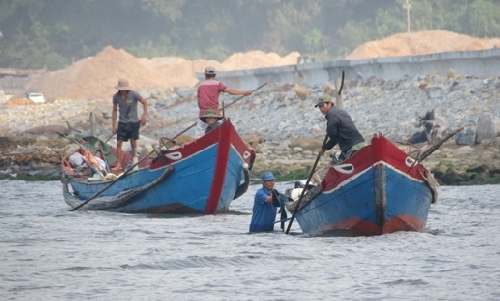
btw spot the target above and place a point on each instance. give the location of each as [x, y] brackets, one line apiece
[50, 253]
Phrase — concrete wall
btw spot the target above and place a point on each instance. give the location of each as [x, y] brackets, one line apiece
[482, 63]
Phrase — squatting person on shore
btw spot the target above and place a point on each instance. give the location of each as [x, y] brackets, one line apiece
[208, 97]
[340, 128]
[264, 212]
[125, 101]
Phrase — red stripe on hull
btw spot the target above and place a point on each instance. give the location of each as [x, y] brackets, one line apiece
[222, 159]
[404, 222]
[359, 227]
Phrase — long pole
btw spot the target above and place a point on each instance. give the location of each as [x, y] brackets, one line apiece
[304, 190]
[436, 146]
[313, 168]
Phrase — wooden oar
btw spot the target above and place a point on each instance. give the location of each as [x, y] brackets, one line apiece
[304, 190]
[222, 109]
[111, 184]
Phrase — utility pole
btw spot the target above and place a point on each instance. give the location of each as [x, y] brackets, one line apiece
[407, 6]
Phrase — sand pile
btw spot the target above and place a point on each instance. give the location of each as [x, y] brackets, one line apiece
[96, 77]
[258, 59]
[421, 42]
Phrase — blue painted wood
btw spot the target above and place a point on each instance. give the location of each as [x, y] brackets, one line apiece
[193, 184]
[357, 200]
[189, 184]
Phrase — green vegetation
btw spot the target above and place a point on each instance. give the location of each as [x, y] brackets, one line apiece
[281, 175]
[25, 177]
[51, 34]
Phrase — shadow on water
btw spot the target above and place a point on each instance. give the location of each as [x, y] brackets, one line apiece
[434, 231]
[169, 215]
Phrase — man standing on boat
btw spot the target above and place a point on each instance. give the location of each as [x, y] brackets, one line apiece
[208, 97]
[125, 101]
[264, 212]
[340, 128]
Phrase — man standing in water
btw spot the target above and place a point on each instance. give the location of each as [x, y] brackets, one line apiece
[208, 97]
[125, 100]
[264, 212]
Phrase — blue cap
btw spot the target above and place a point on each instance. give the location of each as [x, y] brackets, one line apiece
[267, 176]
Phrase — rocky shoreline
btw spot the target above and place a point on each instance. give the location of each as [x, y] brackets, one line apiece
[451, 164]
[286, 124]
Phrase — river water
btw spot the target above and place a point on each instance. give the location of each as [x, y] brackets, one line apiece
[50, 253]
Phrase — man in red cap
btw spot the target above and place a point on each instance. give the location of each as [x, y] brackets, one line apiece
[125, 101]
[208, 97]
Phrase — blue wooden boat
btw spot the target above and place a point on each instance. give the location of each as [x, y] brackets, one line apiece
[203, 176]
[380, 189]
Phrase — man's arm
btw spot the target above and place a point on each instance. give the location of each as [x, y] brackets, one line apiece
[114, 115]
[144, 117]
[261, 197]
[332, 124]
[332, 127]
[237, 92]
[330, 144]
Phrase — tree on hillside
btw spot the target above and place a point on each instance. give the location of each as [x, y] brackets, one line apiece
[38, 33]
[481, 18]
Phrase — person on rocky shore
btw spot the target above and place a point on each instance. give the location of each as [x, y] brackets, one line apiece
[125, 101]
[340, 129]
[208, 97]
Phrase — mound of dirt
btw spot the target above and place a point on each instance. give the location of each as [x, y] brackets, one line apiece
[96, 77]
[19, 102]
[421, 42]
[258, 59]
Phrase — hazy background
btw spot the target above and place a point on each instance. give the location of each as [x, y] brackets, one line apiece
[52, 34]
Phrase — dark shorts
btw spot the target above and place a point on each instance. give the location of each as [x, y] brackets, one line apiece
[127, 131]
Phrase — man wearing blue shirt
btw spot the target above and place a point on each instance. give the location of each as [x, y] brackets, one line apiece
[264, 213]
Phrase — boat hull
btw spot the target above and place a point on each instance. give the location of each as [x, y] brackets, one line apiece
[205, 177]
[379, 190]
